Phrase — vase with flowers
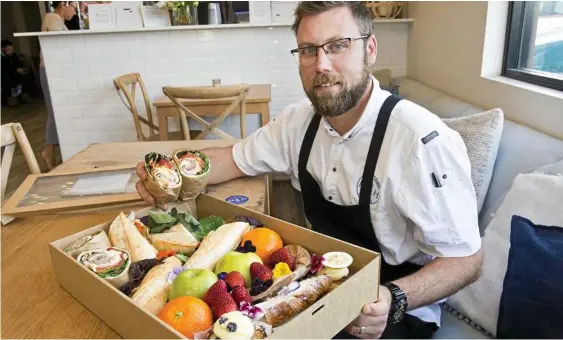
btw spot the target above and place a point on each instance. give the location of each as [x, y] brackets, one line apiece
[182, 12]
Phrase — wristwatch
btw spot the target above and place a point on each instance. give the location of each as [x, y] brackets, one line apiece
[399, 303]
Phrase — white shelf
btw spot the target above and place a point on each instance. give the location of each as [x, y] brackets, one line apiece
[182, 28]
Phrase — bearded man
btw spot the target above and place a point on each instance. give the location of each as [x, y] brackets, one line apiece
[373, 169]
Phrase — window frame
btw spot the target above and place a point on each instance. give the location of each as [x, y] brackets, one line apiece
[517, 17]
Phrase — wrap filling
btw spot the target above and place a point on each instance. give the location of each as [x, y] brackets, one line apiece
[192, 163]
[161, 168]
[108, 262]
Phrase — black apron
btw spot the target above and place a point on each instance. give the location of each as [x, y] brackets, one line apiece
[349, 223]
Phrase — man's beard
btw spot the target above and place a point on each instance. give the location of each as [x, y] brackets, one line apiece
[333, 105]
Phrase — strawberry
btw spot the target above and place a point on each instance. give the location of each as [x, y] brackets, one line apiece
[215, 291]
[282, 255]
[235, 279]
[223, 303]
[240, 294]
[260, 271]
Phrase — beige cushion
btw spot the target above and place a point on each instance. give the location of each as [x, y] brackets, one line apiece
[481, 133]
[533, 196]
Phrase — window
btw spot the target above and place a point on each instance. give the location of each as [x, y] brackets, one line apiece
[534, 44]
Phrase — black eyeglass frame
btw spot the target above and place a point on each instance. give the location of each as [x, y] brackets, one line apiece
[350, 39]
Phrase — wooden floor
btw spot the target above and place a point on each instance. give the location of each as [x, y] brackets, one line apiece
[33, 117]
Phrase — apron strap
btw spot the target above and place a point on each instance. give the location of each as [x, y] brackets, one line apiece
[375, 147]
[307, 144]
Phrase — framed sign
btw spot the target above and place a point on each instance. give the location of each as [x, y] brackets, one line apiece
[73, 189]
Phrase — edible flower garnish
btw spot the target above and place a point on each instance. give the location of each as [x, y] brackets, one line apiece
[316, 263]
[247, 248]
[222, 275]
[252, 312]
[281, 269]
[173, 273]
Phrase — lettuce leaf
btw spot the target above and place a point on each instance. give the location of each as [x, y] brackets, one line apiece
[114, 271]
[160, 221]
[206, 225]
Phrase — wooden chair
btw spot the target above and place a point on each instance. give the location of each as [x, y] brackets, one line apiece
[127, 84]
[13, 133]
[238, 93]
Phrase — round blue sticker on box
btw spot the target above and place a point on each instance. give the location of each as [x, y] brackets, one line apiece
[237, 199]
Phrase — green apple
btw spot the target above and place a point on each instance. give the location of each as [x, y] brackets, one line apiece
[240, 262]
[192, 282]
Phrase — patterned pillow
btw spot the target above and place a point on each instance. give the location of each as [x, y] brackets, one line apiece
[481, 133]
[534, 196]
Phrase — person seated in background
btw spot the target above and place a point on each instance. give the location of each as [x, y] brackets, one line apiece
[16, 80]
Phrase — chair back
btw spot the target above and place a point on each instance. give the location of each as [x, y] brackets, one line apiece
[12, 134]
[238, 94]
[127, 84]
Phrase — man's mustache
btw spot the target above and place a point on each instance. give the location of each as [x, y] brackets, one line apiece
[325, 78]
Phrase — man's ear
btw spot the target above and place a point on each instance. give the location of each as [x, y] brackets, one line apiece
[371, 49]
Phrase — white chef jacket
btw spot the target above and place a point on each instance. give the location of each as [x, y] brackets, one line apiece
[413, 219]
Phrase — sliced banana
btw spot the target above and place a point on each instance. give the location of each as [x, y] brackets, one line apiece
[337, 259]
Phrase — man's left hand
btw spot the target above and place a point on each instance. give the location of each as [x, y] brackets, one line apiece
[372, 321]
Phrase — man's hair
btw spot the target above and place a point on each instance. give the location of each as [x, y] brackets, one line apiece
[362, 15]
[6, 43]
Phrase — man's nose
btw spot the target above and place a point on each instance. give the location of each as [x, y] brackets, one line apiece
[323, 62]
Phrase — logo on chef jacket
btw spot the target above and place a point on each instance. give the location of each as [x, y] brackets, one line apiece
[374, 189]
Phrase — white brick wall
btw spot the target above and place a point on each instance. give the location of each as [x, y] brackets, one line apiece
[80, 70]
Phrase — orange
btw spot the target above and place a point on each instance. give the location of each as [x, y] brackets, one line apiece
[265, 240]
[187, 314]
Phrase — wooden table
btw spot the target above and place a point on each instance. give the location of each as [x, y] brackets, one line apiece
[258, 101]
[33, 304]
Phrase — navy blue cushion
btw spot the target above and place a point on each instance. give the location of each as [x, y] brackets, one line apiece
[531, 304]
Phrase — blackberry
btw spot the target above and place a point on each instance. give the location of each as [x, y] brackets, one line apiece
[232, 327]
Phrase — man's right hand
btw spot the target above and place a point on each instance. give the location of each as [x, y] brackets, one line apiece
[142, 191]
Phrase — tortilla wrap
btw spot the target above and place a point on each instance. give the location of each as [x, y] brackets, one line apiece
[123, 234]
[163, 179]
[152, 293]
[96, 240]
[194, 168]
[110, 264]
[216, 244]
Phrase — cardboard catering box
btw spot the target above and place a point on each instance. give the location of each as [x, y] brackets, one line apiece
[323, 319]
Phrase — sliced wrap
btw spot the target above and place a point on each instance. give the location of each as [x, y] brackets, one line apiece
[194, 167]
[176, 238]
[123, 234]
[163, 179]
[96, 240]
[152, 294]
[111, 264]
[216, 244]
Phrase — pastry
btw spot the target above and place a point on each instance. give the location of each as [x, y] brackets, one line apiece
[163, 179]
[216, 244]
[96, 240]
[111, 264]
[152, 293]
[123, 234]
[194, 168]
[288, 303]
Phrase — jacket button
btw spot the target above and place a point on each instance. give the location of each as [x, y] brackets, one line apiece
[330, 198]
[334, 169]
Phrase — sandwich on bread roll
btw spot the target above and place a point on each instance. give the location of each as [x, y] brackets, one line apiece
[282, 308]
[152, 293]
[123, 234]
[216, 244]
[176, 238]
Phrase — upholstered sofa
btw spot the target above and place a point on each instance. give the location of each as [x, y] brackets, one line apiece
[520, 151]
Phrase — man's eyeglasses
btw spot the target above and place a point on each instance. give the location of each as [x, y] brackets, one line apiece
[307, 55]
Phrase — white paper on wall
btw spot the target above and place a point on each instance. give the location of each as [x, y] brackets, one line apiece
[101, 16]
[155, 17]
[259, 12]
